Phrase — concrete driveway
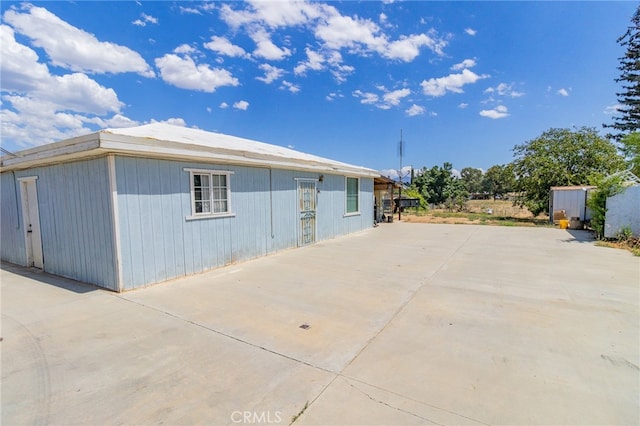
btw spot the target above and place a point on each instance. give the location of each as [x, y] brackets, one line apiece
[402, 324]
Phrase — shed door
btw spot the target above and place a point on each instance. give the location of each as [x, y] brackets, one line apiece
[307, 210]
[31, 221]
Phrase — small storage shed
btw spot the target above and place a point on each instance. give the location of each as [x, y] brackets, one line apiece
[571, 199]
[125, 208]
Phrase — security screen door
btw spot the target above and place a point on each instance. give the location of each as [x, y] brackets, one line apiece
[307, 209]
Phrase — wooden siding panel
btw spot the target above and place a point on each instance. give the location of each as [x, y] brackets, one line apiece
[132, 245]
[75, 217]
[12, 248]
[154, 203]
[285, 214]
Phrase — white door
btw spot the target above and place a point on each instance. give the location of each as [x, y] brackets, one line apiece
[31, 221]
[307, 211]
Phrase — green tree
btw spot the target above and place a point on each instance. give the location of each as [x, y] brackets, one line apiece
[438, 185]
[498, 180]
[628, 118]
[597, 201]
[472, 179]
[561, 157]
[631, 150]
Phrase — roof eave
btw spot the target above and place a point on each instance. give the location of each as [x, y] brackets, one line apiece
[102, 143]
[65, 150]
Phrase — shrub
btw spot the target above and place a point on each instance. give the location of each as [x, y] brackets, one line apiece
[597, 202]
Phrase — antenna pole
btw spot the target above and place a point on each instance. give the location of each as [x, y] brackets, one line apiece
[400, 177]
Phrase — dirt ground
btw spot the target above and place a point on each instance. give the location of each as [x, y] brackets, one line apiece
[477, 213]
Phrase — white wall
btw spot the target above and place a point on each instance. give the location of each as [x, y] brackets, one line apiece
[623, 210]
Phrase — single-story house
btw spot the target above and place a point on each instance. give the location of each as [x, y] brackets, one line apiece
[570, 199]
[125, 208]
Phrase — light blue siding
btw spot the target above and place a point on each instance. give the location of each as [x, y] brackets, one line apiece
[75, 221]
[158, 242]
[12, 246]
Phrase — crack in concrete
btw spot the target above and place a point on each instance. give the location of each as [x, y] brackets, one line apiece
[379, 401]
[413, 400]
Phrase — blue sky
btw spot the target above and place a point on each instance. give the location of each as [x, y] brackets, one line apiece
[465, 81]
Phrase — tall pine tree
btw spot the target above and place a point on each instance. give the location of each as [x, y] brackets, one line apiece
[628, 118]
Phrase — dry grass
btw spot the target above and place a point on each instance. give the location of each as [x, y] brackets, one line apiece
[477, 212]
[631, 244]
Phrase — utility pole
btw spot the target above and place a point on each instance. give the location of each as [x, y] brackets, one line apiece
[400, 177]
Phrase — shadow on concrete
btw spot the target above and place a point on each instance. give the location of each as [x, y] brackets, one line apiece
[44, 277]
[579, 236]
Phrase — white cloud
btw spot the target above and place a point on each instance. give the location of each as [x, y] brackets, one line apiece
[265, 48]
[470, 31]
[271, 73]
[144, 20]
[385, 100]
[198, 8]
[393, 98]
[361, 35]
[20, 69]
[366, 98]
[504, 89]
[119, 121]
[38, 107]
[293, 88]
[612, 109]
[273, 14]
[72, 48]
[80, 93]
[185, 49]
[314, 62]
[451, 83]
[241, 105]
[498, 112]
[408, 48]
[463, 105]
[333, 96]
[415, 110]
[223, 46]
[224, 105]
[173, 121]
[183, 72]
[339, 32]
[467, 63]
[190, 10]
[563, 92]
[333, 31]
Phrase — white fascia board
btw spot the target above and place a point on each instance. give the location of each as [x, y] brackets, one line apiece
[50, 153]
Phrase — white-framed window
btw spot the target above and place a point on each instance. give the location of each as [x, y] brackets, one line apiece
[210, 193]
[352, 205]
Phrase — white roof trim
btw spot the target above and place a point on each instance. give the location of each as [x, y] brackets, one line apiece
[160, 140]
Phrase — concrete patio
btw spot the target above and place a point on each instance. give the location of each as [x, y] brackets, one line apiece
[403, 324]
